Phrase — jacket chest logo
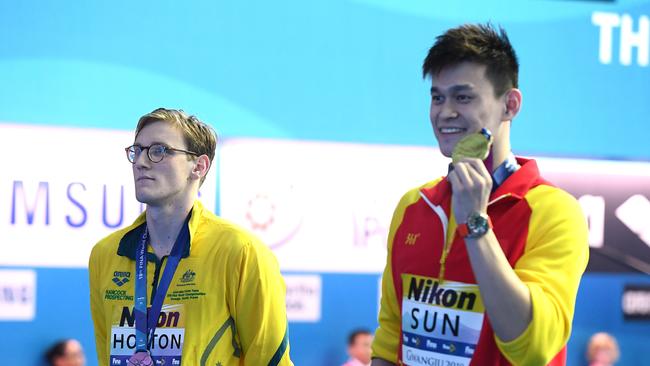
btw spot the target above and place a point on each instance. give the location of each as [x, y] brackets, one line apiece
[411, 238]
[120, 278]
[188, 276]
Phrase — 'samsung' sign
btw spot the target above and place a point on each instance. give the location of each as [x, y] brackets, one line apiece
[63, 189]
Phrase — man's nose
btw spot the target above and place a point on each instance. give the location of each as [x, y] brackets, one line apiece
[447, 111]
[444, 112]
[142, 159]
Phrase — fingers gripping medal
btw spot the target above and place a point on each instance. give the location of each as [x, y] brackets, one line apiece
[476, 145]
[140, 359]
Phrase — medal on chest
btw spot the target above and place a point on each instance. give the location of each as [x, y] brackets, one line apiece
[140, 359]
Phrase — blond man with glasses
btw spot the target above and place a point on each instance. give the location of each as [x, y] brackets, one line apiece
[181, 286]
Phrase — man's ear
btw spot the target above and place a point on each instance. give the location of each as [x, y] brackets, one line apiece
[201, 167]
[513, 99]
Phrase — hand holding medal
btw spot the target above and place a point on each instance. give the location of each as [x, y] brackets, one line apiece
[470, 179]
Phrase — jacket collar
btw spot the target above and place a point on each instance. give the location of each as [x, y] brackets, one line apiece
[521, 181]
[504, 171]
[516, 185]
[130, 240]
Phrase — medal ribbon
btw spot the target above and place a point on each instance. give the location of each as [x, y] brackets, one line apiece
[145, 322]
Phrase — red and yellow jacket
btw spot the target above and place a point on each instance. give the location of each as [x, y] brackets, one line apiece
[542, 232]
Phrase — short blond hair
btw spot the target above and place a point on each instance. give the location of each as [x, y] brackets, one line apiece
[602, 341]
[199, 137]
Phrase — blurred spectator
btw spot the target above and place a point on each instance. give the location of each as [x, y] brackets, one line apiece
[602, 350]
[67, 352]
[359, 343]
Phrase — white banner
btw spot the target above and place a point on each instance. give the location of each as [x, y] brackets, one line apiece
[304, 298]
[62, 190]
[321, 206]
[327, 206]
[17, 295]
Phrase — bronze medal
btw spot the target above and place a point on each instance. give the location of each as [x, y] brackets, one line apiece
[140, 359]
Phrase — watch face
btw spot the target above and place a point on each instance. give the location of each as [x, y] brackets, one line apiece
[477, 224]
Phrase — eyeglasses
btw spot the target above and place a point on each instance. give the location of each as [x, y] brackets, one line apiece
[155, 152]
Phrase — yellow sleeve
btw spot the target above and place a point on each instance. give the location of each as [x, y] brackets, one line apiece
[386, 339]
[97, 307]
[386, 342]
[260, 311]
[555, 257]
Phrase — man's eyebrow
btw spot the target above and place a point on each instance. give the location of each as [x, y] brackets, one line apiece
[453, 89]
[152, 143]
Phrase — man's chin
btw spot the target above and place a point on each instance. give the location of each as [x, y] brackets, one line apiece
[145, 198]
[445, 148]
[446, 152]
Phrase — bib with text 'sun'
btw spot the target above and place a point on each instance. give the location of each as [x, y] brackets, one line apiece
[441, 321]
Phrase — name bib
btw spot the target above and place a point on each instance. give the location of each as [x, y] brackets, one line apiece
[441, 321]
[168, 339]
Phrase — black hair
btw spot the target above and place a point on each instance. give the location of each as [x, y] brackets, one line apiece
[479, 43]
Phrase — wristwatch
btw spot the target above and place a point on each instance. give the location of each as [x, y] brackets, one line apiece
[477, 225]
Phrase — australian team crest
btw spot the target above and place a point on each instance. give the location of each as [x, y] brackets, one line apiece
[188, 276]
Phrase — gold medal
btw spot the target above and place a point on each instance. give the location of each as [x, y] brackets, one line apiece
[476, 145]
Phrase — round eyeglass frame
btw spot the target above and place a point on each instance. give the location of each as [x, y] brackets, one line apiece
[132, 155]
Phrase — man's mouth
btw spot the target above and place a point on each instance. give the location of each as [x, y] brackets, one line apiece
[451, 130]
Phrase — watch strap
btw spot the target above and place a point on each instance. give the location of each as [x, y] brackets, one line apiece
[463, 230]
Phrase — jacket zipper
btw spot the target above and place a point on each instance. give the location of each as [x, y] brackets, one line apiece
[444, 220]
[438, 210]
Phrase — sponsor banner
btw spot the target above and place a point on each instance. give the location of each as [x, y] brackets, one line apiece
[304, 298]
[17, 295]
[615, 197]
[321, 206]
[636, 302]
[68, 189]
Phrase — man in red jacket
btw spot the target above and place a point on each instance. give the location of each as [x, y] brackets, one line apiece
[483, 264]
